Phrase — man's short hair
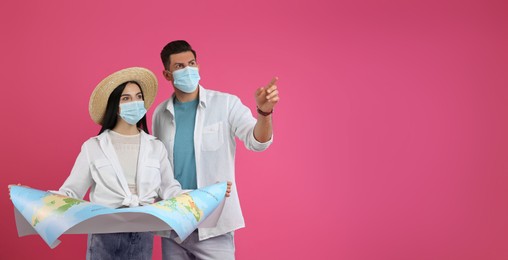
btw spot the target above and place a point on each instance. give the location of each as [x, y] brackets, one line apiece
[175, 47]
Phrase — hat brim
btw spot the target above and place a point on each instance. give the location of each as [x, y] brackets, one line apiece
[99, 98]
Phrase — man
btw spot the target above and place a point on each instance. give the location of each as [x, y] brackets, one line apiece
[198, 127]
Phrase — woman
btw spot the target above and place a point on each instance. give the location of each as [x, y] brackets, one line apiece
[124, 166]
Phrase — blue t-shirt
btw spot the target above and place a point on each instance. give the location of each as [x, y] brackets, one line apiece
[184, 159]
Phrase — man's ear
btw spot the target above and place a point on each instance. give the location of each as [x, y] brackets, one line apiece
[167, 75]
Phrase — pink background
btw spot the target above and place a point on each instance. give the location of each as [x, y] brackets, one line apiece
[390, 137]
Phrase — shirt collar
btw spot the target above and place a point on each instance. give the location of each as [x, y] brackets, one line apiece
[202, 100]
[202, 96]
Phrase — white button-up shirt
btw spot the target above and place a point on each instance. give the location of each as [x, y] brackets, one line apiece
[220, 118]
[98, 167]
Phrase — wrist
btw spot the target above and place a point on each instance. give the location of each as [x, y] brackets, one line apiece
[263, 113]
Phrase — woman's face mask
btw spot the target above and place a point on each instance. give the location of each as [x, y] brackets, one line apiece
[133, 111]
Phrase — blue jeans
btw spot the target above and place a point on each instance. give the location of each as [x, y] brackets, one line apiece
[137, 245]
[221, 247]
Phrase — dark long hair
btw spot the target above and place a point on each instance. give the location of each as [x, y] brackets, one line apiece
[111, 115]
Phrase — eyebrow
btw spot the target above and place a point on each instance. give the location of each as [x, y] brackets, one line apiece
[182, 63]
[130, 94]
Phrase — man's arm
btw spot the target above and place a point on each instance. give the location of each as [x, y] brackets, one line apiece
[266, 99]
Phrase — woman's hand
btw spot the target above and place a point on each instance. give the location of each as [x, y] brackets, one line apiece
[10, 186]
[228, 190]
[19, 184]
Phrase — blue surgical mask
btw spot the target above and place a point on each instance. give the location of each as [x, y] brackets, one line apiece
[133, 111]
[186, 79]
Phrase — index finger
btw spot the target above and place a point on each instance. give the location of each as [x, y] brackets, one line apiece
[274, 80]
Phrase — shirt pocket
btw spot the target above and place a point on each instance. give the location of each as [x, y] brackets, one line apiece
[151, 174]
[104, 172]
[213, 137]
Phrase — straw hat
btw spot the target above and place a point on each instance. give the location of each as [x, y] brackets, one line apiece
[99, 98]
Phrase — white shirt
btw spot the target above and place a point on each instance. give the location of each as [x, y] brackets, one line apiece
[98, 167]
[220, 118]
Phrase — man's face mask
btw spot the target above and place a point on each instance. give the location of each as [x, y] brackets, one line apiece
[133, 111]
[186, 79]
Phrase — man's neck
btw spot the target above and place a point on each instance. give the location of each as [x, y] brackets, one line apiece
[186, 97]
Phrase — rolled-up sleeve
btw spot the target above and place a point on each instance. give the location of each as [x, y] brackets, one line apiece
[80, 179]
[242, 123]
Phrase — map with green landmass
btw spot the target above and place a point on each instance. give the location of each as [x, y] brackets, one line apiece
[53, 204]
[50, 215]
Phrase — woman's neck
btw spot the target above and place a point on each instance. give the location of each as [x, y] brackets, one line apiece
[124, 128]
